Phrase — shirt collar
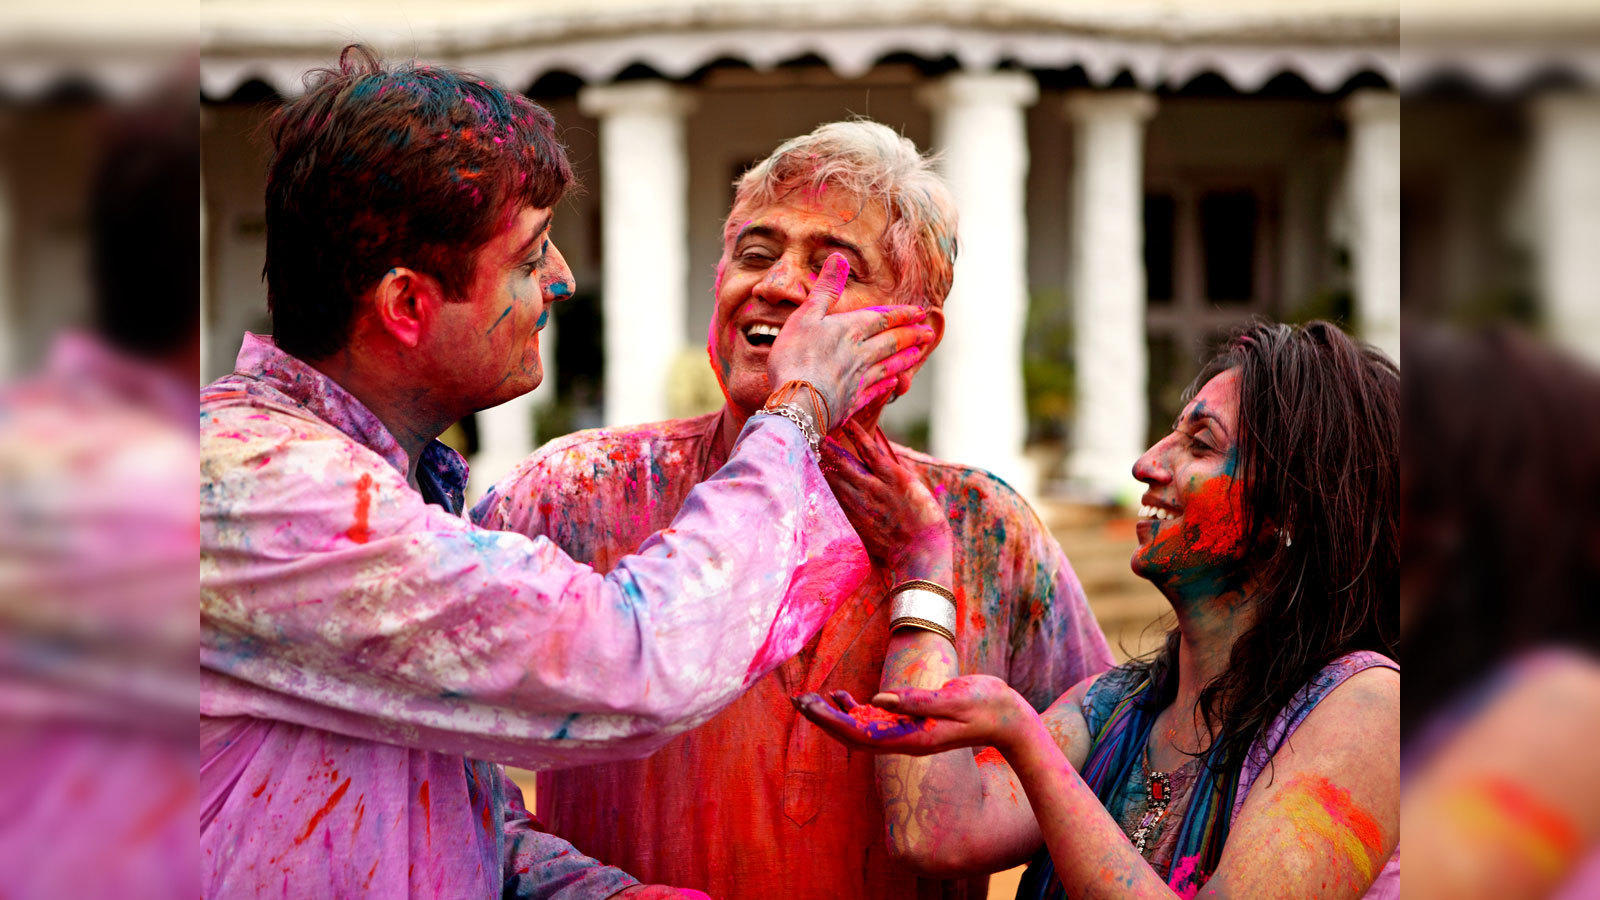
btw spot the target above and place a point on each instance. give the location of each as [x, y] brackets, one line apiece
[441, 471]
[83, 359]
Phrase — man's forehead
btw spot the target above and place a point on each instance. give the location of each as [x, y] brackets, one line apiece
[523, 227]
[811, 215]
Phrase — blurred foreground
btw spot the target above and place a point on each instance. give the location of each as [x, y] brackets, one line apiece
[1500, 179]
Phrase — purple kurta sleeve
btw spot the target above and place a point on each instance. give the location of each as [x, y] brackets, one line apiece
[333, 596]
[541, 865]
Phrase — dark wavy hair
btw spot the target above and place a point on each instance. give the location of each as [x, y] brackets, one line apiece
[374, 168]
[1502, 550]
[1319, 446]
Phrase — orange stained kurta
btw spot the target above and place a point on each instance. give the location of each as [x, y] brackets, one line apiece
[758, 803]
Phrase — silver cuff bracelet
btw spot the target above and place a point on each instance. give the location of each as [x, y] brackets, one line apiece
[921, 608]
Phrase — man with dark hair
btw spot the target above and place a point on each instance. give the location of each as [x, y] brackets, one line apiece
[363, 647]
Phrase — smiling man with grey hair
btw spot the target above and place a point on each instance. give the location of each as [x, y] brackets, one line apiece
[758, 803]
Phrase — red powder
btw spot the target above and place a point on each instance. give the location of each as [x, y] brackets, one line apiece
[1518, 806]
[427, 810]
[316, 817]
[989, 756]
[1336, 800]
[874, 714]
[359, 532]
[1214, 518]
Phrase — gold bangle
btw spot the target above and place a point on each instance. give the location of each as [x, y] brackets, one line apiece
[924, 584]
[924, 625]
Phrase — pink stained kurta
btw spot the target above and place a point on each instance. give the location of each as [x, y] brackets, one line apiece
[759, 803]
[362, 648]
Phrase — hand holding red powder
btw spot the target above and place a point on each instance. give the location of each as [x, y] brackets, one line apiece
[853, 358]
[971, 711]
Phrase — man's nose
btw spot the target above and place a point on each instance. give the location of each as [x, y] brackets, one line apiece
[786, 282]
[564, 285]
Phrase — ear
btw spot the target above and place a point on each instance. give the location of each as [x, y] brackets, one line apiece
[405, 303]
[934, 320]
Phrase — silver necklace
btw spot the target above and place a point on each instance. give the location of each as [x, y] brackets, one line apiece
[1158, 796]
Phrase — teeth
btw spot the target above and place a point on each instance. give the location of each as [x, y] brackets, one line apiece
[769, 330]
[1154, 512]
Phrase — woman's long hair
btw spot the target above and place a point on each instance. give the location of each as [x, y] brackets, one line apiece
[1318, 447]
[1502, 550]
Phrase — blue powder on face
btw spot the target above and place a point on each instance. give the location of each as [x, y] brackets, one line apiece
[543, 318]
[561, 289]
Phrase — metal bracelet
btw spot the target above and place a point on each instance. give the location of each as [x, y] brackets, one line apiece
[923, 605]
[926, 585]
[800, 418]
[924, 625]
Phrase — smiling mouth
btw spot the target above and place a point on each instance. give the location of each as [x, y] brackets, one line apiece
[761, 335]
[1155, 512]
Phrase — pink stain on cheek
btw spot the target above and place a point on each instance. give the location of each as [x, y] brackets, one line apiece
[1212, 527]
[1217, 523]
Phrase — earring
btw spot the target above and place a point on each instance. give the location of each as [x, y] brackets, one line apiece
[1288, 539]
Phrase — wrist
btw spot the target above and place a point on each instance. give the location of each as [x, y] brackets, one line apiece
[929, 557]
[1027, 742]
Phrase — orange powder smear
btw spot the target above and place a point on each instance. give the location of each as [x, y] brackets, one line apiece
[359, 532]
[874, 714]
[1320, 807]
[1506, 815]
[316, 817]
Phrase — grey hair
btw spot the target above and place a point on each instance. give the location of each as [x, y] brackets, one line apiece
[870, 161]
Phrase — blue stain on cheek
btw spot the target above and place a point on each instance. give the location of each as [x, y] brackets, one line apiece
[543, 318]
[497, 321]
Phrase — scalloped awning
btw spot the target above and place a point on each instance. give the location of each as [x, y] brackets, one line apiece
[1154, 42]
[851, 52]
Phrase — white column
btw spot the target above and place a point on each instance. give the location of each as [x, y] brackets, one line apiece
[1566, 179]
[1108, 290]
[1373, 182]
[978, 415]
[206, 269]
[10, 314]
[644, 177]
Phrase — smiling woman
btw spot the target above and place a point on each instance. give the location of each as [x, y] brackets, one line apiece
[1269, 525]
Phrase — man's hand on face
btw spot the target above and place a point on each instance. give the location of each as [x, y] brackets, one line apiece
[897, 518]
[852, 358]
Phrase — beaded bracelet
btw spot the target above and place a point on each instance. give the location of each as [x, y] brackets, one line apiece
[800, 418]
[789, 392]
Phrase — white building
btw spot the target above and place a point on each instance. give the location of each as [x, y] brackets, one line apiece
[1133, 178]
